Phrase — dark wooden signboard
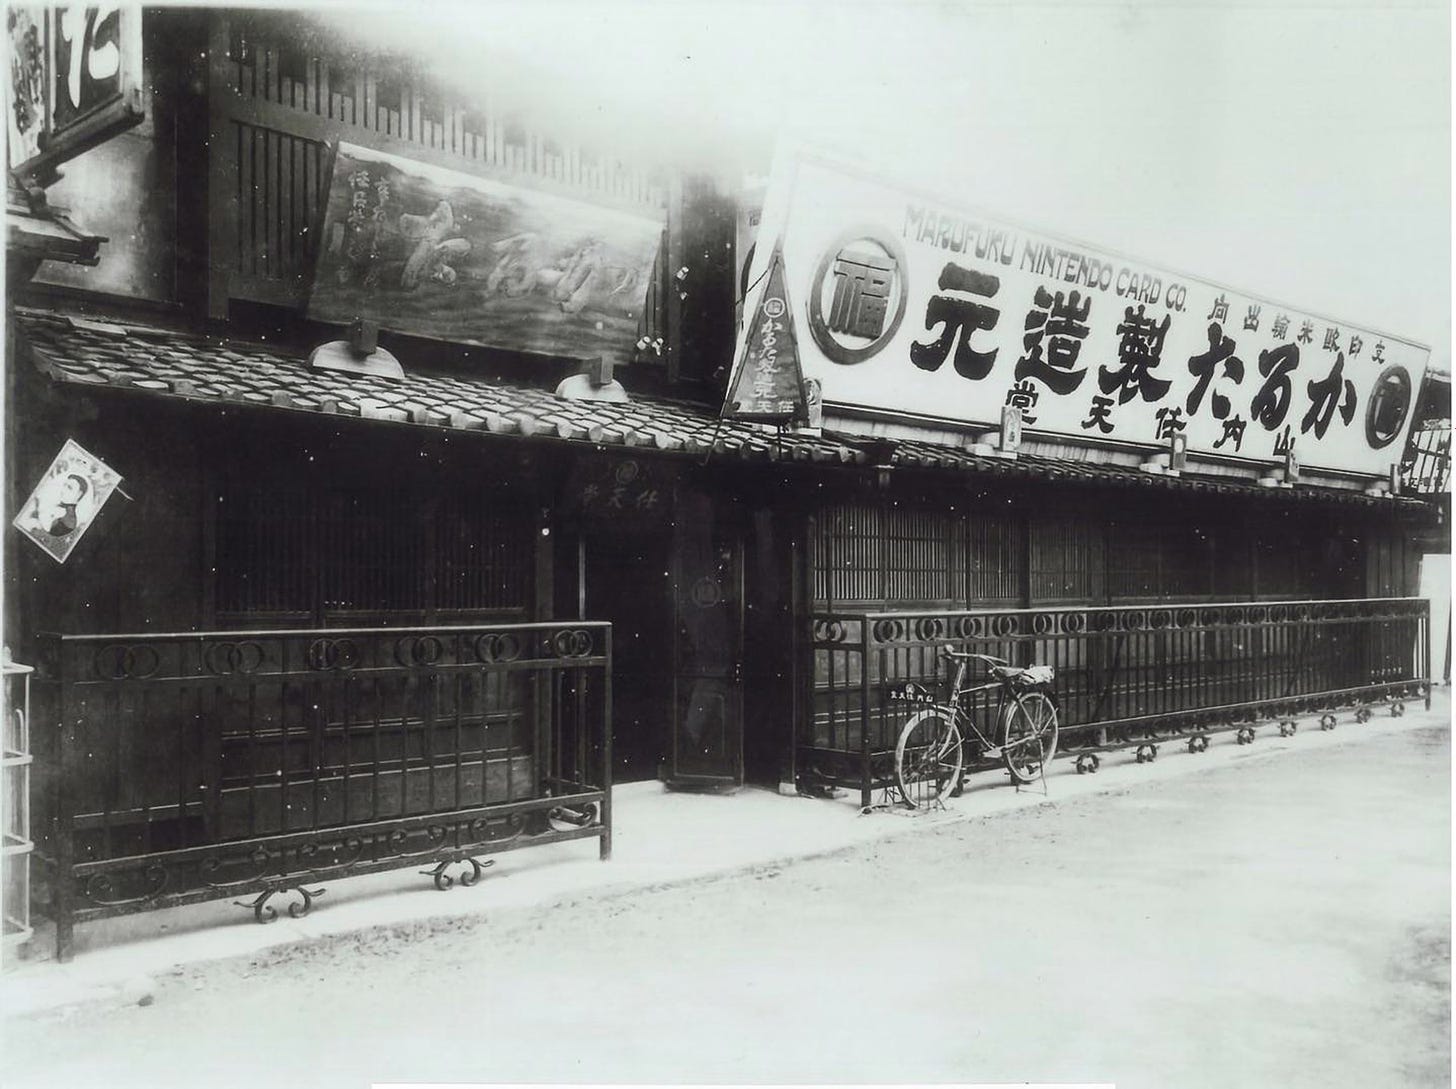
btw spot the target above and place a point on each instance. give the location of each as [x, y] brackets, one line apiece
[75, 81]
[437, 253]
[622, 493]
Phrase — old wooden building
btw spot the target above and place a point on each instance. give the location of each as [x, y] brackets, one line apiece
[334, 618]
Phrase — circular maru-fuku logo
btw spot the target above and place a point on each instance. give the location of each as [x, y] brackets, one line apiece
[774, 307]
[858, 296]
[1390, 402]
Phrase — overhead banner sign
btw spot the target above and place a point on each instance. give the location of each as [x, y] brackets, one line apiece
[922, 310]
[767, 383]
[75, 81]
[66, 501]
[436, 253]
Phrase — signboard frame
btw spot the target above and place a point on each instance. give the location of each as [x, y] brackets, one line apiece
[831, 213]
[432, 251]
[96, 122]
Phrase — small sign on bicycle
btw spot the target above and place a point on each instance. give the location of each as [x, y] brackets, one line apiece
[909, 692]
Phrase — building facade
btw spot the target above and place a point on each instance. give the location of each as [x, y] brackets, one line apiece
[336, 618]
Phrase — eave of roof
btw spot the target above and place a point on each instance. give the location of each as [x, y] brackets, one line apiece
[229, 371]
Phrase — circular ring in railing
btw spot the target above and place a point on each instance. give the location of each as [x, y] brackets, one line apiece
[228, 657]
[829, 631]
[970, 627]
[885, 631]
[1185, 618]
[1134, 619]
[1103, 620]
[497, 647]
[1004, 624]
[1043, 624]
[418, 650]
[1234, 615]
[1278, 613]
[1257, 614]
[326, 653]
[1209, 617]
[1074, 622]
[572, 643]
[1159, 619]
[123, 661]
[929, 628]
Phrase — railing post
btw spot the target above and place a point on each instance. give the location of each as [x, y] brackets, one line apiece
[63, 818]
[865, 788]
[1425, 625]
[605, 845]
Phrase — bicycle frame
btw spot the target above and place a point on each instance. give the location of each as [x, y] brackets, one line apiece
[958, 713]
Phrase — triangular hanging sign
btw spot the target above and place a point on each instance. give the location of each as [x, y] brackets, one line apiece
[768, 380]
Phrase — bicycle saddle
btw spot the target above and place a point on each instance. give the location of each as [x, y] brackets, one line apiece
[1029, 676]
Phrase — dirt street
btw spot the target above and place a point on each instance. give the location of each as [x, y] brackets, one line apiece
[1282, 922]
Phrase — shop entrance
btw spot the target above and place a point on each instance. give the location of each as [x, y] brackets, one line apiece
[706, 740]
[627, 582]
[671, 586]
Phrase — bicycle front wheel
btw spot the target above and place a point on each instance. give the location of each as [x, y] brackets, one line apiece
[927, 759]
[1028, 735]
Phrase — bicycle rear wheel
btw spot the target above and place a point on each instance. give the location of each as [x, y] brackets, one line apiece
[927, 759]
[1028, 735]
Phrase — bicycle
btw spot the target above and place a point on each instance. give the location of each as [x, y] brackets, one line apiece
[929, 754]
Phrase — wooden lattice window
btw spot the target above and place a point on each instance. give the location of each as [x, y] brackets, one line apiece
[996, 559]
[924, 557]
[905, 557]
[848, 554]
[1134, 561]
[263, 541]
[1187, 569]
[1068, 559]
[334, 553]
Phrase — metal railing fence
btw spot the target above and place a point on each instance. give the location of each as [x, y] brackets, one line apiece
[1123, 673]
[185, 767]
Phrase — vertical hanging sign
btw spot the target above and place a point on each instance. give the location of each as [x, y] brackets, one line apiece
[768, 382]
[75, 81]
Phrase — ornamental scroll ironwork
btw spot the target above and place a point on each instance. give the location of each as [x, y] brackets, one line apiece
[273, 869]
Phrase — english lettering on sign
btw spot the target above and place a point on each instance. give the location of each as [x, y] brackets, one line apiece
[924, 311]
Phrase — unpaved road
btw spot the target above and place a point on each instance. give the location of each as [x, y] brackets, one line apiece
[1283, 922]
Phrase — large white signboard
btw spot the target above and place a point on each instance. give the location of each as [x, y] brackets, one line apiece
[912, 306]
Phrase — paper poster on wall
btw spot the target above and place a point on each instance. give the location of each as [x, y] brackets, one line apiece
[66, 501]
[922, 310]
[437, 253]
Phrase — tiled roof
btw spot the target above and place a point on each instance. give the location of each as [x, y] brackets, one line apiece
[203, 368]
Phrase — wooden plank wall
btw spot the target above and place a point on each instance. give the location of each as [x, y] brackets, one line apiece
[278, 96]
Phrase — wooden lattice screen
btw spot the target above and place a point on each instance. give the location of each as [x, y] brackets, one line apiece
[901, 556]
[887, 555]
[315, 553]
[278, 96]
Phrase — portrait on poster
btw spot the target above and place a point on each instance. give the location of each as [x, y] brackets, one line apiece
[66, 501]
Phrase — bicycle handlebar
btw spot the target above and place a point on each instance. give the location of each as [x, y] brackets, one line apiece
[966, 656]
